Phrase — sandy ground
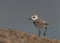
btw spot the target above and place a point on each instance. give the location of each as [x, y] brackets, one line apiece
[14, 36]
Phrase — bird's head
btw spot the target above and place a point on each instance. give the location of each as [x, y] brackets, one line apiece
[34, 17]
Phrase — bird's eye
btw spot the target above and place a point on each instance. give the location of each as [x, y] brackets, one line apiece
[33, 17]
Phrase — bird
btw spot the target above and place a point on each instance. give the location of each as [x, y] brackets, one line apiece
[39, 23]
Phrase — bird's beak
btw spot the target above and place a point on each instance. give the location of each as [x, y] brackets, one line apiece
[29, 18]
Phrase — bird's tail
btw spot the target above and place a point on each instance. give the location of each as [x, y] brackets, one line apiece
[47, 24]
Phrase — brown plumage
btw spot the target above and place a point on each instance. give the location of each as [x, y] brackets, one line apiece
[40, 23]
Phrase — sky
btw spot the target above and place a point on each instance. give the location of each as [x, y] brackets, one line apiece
[14, 14]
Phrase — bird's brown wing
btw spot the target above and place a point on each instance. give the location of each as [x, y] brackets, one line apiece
[39, 23]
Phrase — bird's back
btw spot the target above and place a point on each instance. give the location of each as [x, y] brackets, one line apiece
[40, 23]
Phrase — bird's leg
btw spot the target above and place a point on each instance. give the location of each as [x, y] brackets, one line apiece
[39, 32]
[45, 31]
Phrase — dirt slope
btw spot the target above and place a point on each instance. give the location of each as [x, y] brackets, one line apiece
[15, 36]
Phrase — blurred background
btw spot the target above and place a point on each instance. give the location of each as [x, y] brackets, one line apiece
[15, 13]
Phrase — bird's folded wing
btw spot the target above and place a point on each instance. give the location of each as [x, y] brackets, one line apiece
[42, 20]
